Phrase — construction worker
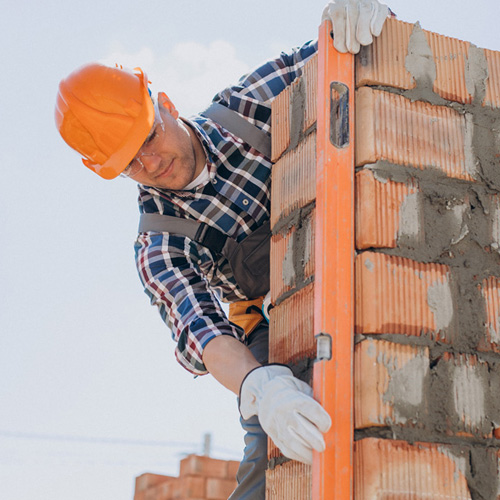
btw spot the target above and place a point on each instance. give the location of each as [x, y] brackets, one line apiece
[205, 199]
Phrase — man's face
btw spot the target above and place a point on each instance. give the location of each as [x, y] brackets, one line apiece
[170, 156]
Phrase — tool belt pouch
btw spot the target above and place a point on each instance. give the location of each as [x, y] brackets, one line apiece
[249, 261]
[246, 314]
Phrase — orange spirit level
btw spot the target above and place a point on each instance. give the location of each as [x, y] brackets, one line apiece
[334, 276]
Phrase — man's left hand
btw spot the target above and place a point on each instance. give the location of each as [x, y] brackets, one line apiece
[355, 22]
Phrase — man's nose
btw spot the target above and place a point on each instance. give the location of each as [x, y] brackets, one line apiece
[151, 162]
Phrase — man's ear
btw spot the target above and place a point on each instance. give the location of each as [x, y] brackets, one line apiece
[165, 103]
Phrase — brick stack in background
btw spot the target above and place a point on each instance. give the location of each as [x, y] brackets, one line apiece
[427, 302]
[427, 368]
[200, 478]
[292, 256]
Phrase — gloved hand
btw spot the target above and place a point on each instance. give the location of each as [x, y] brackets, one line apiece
[286, 410]
[355, 22]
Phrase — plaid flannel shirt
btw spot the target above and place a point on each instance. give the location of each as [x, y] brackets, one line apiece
[182, 277]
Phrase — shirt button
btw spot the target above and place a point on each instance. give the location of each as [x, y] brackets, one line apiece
[245, 202]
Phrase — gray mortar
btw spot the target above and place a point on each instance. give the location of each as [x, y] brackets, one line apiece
[448, 398]
[406, 389]
[297, 108]
[483, 467]
[410, 232]
[299, 250]
[456, 230]
[303, 369]
[476, 73]
[288, 266]
[277, 461]
[421, 65]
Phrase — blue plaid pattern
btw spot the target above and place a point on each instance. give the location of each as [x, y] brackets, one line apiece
[182, 278]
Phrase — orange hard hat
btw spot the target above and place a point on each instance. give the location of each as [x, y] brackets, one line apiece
[106, 115]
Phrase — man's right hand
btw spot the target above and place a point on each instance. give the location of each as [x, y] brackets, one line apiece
[286, 410]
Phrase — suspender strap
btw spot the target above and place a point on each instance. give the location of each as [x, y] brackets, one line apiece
[240, 127]
[200, 232]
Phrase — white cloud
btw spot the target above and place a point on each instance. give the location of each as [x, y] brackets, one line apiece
[190, 73]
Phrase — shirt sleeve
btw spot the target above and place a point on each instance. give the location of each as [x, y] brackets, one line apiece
[252, 95]
[186, 304]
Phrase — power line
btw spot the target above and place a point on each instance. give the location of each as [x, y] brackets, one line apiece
[107, 441]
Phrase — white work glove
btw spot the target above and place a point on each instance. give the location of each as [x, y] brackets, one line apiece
[355, 22]
[286, 410]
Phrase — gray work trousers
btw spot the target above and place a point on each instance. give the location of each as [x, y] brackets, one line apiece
[251, 475]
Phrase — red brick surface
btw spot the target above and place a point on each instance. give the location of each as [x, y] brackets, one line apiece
[397, 295]
[195, 465]
[145, 481]
[200, 478]
[294, 180]
[392, 128]
[491, 293]
[219, 489]
[290, 481]
[291, 328]
[398, 470]
[388, 378]
[383, 208]
[281, 108]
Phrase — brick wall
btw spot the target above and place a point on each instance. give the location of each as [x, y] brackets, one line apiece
[427, 291]
[292, 256]
[200, 478]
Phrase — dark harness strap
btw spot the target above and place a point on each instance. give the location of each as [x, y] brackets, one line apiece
[240, 127]
[200, 232]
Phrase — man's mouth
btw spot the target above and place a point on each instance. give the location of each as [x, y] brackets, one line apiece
[165, 172]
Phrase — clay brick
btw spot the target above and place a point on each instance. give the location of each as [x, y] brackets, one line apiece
[166, 491]
[158, 492]
[232, 469]
[492, 98]
[272, 450]
[194, 465]
[290, 481]
[280, 124]
[392, 128]
[294, 180]
[397, 470]
[281, 108]
[385, 62]
[491, 293]
[450, 56]
[389, 383]
[386, 211]
[393, 387]
[145, 481]
[402, 296]
[219, 489]
[193, 487]
[292, 257]
[291, 332]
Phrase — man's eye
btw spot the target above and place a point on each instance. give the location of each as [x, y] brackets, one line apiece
[151, 137]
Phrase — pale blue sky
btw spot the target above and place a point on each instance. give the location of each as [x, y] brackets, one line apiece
[82, 353]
